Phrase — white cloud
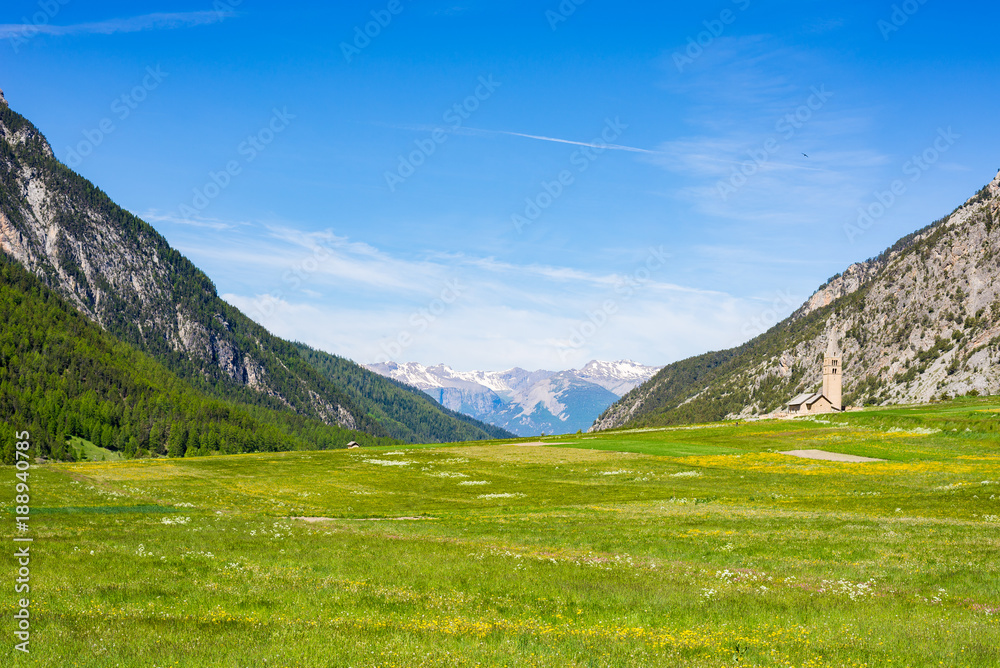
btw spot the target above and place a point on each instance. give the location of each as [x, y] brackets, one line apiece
[287, 259]
[478, 313]
[156, 21]
[155, 216]
[475, 333]
[354, 299]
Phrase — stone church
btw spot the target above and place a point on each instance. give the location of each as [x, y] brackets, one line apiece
[830, 399]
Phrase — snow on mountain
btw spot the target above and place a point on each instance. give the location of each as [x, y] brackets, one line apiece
[441, 375]
[619, 377]
[525, 402]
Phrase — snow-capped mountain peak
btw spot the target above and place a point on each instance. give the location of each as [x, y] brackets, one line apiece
[525, 402]
[619, 376]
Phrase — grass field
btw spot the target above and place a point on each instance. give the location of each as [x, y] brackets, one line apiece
[88, 452]
[676, 547]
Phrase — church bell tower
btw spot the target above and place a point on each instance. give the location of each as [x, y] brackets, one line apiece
[833, 376]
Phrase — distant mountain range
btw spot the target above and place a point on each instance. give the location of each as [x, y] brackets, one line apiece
[526, 403]
[921, 321]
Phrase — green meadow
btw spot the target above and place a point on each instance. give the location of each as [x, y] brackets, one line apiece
[688, 546]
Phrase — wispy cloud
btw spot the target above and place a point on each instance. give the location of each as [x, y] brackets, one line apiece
[772, 147]
[270, 249]
[568, 274]
[787, 188]
[481, 132]
[319, 287]
[155, 216]
[156, 21]
[480, 331]
[270, 252]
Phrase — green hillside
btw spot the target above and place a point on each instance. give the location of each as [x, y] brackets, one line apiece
[62, 377]
[121, 273]
[702, 388]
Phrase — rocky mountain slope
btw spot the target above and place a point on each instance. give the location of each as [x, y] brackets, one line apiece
[120, 273]
[63, 379]
[525, 402]
[920, 321]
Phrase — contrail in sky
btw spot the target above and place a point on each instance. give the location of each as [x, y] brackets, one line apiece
[615, 147]
[480, 131]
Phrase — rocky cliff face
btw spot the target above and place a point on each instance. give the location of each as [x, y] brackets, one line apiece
[920, 321]
[122, 274]
[842, 285]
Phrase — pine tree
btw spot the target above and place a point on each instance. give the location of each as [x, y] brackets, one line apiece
[131, 447]
[177, 442]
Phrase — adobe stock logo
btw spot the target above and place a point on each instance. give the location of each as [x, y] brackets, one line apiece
[454, 117]
[581, 159]
[562, 13]
[297, 276]
[900, 17]
[122, 107]
[918, 165]
[714, 29]
[771, 316]
[47, 10]
[421, 320]
[786, 127]
[626, 288]
[363, 35]
[249, 149]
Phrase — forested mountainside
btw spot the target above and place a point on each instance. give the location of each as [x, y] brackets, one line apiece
[62, 376]
[119, 272]
[918, 322]
[403, 411]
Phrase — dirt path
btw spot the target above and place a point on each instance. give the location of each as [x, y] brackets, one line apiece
[362, 519]
[830, 456]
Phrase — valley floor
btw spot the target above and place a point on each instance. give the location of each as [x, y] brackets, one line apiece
[672, 547]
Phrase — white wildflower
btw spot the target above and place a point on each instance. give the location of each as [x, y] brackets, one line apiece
[387, 462]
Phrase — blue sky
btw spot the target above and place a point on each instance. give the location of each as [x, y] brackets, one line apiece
[525, 183]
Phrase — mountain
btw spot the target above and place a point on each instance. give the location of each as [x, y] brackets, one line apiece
[617, 377]
[121, 274]
[525, 402]
[413, 417]
[920, 321]
[63, 377]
